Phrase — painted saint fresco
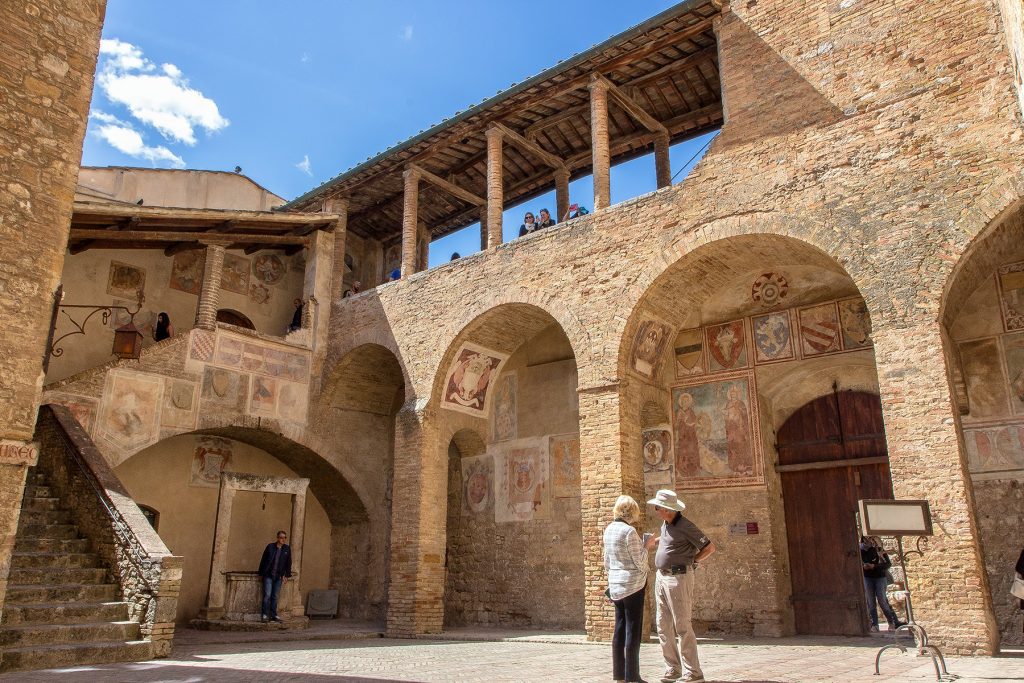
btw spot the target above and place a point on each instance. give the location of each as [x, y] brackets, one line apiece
[773, 337]
[819, 329]
[129, 418]
[268, 268]
[235, 275]
[187, 271]
[689, 352]
[1013, 351]
[126, 281]
[522, 488]
[468, 383]
[715, 429]
[659, 467]
[505, 408]
[727, 346]
[477, 484]
[648, 346]
[181, 404]
[565, 466]
[983, 375]
[856, 323]
[995, 449]
[210, 457]
[1011, 295]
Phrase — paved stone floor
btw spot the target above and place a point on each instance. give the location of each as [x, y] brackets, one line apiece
[525, 657]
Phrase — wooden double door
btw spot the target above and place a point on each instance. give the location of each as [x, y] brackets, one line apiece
[832, 452]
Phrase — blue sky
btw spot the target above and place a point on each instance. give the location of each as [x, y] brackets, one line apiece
[298, 92]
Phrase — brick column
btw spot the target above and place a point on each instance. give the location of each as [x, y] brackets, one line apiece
[416, 590]
[209, 295]
[662, 165]
[606, 472]
[561, 194]
[340, 207]
[948, 582]
[483, 229]
[495, 189]
[599, 143]
[410, 213]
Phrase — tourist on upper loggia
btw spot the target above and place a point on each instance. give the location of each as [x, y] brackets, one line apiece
[528, 225]
[545, 220]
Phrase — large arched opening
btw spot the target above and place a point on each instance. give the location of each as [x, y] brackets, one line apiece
[982, 317]
[508, 418]
[733, 346]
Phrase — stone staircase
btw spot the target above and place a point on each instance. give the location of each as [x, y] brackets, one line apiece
[62, 607]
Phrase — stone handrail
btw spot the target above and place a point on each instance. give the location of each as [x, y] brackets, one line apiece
[148, 574]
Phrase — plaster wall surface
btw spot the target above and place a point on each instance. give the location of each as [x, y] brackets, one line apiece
[185, 189]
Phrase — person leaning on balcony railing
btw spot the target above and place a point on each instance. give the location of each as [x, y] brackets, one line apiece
[528, 225]
[545, 220]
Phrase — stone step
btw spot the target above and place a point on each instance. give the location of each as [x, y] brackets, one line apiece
[50, 545]
[55, 575]
[68, 592]
[55, 634]
[62, 531]
[45, 517]
[37, 491]
[40, 504]
[52, 656]
[64, 613]
[36, 560]
[37, 478]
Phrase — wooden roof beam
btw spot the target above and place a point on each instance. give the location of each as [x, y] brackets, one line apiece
[629, 105]
[206, 238]
[450, 188]
[552, 160]
[179, 247]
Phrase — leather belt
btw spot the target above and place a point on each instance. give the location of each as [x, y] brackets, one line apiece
[673, 570]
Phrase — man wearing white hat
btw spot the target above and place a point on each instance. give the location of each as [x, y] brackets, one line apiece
[680, 547]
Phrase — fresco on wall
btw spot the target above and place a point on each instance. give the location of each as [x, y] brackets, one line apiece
[689, 352]
[258, 294]
[225, 388]
[265, 359]
[773, 337]
[181, 404]
[819, 329]
[715, 429]
[505, 408]
[392, 260]
[82, 408]
[129, 417]
[648, 345]
[727, 346]
[292, 400]
[235, 275]
[263, 400]
[126, 281]
[268, 268]
[521, 489]
[565, 465]
[144, 321]
[1011, 295]
[469, 379]
[769, 289]
[187, 271]
[995, 449]
[203, 343]
[477, 484]
[656, 443]
[210, 457]
[1013, 351]
[983, 375]
[856, 323]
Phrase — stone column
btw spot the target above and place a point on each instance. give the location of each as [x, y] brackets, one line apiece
[561, 194]
[416, 590]
[606, 472]
[209, 295]
[409, 221]
[298, 526]
[948, 582]
[599, 143]
[13, 471]
[662, 165]
[218, 565]
[495, 189]
[340, 207]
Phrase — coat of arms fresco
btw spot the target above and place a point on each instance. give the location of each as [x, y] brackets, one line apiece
[470, 378]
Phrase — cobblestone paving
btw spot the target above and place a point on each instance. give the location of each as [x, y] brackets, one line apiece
[749, 661]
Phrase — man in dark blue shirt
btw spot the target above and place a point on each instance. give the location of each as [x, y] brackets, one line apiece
[275, 568]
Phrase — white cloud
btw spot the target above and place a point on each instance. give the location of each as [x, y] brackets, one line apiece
[304, 166]
[162, 100]
[122, 137]
[407, 33]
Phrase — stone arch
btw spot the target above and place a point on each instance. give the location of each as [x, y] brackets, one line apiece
[349, 349]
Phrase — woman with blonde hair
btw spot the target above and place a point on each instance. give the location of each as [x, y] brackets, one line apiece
[625, 559]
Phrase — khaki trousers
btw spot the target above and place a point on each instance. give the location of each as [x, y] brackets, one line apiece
[674, 598]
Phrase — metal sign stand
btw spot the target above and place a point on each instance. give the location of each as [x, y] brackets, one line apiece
[915, 629]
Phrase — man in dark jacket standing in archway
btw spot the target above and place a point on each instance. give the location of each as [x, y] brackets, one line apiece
[275, 568]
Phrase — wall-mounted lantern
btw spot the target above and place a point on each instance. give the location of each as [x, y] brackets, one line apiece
[127, 338]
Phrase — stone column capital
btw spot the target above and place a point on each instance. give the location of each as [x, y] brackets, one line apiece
[495, 133]
[598, 83]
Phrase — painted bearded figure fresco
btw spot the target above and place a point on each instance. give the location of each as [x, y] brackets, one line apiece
[687, 444]
[469, 382]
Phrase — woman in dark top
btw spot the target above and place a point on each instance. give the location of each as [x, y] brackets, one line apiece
[163, 329]
[528, 225]
[875, 563]
[545, 220]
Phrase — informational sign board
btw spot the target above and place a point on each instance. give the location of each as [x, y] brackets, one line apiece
[895, 518]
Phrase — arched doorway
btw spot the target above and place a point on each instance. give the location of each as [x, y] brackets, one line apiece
[832, 453]
[232, 317]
